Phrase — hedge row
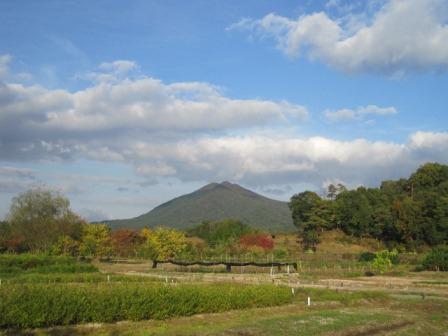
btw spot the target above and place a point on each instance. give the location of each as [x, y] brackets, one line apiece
[24, 306]
[19, 263]
[30, 278]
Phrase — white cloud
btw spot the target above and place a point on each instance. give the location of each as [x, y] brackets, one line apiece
[143, 104]
[184, 130]
[373, 109]
[340, 115]
[264, 160]
[429, 140]
[358, 113]
[402, 36]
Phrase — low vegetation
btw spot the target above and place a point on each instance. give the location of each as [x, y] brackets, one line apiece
[35, 263]
[31, 305]
[437, 259]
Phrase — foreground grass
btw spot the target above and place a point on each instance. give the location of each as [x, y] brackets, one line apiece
[362, 317]
[332, 313]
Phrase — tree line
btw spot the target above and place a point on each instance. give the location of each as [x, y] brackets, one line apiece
[404, 213]
[41, 221]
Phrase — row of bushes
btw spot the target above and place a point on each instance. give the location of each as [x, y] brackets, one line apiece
[24, 306]
[41, 263]
[435, 260]
[25, 278]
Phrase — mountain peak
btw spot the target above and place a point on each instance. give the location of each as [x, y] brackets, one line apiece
[216, 201]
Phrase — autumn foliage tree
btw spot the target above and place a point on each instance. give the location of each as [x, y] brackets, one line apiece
[125, 242]
[95, 241]
[261, 240]
[163, 243]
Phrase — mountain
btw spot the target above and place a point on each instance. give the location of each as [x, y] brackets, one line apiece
[215, 201]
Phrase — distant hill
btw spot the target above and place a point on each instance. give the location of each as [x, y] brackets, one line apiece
[215, 201]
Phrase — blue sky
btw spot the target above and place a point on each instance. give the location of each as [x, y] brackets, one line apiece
[124, 105]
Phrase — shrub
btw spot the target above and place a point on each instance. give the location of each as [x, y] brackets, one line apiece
[280, 253]
[29, 278]
[366, 256]
[384, 260]
[257, 239]
[25, 306]
[437, 259]
[11, 263]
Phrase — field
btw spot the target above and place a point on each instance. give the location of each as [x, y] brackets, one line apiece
[128, 297]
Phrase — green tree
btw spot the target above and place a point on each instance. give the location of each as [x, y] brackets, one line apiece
[310, 215]
[334, 190]
[40, 217]
[354, 212]
[429, 175]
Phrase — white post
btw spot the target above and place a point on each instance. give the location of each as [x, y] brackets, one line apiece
[166, 279]
[309, 301]
[293, 291]
[287, 269]
[272, 270]
[108, 278]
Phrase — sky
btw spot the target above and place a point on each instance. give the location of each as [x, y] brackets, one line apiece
[123, 105]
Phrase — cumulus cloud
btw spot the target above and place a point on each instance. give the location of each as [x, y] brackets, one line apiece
[268, 160]
[32, 117]
[187, 131]
[358, 113]
[402, 36]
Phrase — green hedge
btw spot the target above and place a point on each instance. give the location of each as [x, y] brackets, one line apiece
[19, 263]
[24, 306]
[31, 278]
[437, 259]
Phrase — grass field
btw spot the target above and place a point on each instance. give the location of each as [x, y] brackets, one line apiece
[374, 316]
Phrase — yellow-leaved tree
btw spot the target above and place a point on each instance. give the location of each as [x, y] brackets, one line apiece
[95, 241]
[163, 243]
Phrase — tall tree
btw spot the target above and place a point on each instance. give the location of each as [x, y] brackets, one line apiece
[41, 216]
[310, 215]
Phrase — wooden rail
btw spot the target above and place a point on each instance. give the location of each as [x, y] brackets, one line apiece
[228, 264]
